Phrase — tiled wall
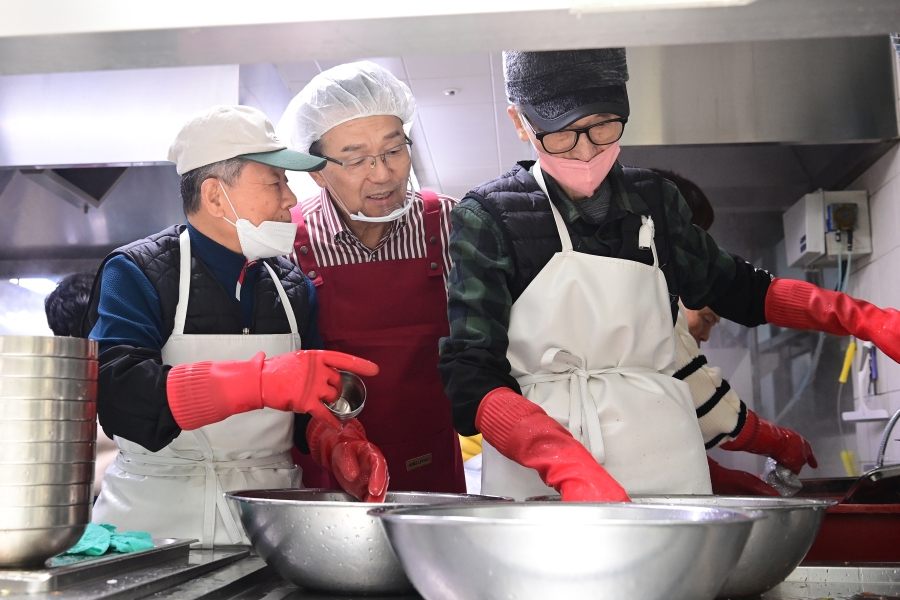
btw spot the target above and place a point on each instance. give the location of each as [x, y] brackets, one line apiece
[877, 279]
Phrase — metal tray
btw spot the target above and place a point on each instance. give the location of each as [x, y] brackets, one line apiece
[65, 571]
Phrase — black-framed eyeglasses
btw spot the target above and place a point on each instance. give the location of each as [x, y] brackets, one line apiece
[600, 134]
[394, 158]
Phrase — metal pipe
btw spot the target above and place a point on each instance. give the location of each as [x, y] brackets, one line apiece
[884, 439]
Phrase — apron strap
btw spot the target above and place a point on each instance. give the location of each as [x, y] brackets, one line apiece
[184, 282]
[433, 245]
[584, 416]
[214, 499]
[645, 237]
[288, 311]
[560, 224]
[304, 254]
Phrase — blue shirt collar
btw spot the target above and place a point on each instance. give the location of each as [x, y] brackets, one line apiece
[225, 265]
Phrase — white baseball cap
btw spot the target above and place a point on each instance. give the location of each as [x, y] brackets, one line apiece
[224, 132]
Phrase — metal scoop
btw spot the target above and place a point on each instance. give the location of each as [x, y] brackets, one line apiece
[352, 399]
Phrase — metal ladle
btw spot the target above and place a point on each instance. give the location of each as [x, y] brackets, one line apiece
[352, 399]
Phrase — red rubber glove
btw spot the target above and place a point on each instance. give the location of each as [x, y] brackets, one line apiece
[356, 463]
[207, 392]
[801, 305]
[762, 437]
[728, 482]
[521, 431]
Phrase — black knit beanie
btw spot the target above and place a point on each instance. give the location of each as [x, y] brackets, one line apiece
[557, 88]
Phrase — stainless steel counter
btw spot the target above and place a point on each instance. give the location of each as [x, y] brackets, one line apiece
[840, 582]
[232, 573]
[250, 579]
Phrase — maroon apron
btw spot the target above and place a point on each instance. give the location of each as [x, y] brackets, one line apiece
[393, 313]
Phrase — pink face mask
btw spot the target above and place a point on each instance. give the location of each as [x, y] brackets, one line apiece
[583, 177]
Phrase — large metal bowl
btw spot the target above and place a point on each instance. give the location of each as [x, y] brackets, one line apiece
[26, 547]
[47, 495]
[47, 452]
[15, 432]
[567, 550]
[37, 345]
[326, 540]
[46, 474]
[777, 543]
[37, 517]
[43, 410]
[47, 366]
[38, 388]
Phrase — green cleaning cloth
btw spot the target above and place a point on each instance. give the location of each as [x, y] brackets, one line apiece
[99, 539]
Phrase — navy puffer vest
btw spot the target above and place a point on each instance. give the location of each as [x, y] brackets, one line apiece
[211, 309]
[522, 211]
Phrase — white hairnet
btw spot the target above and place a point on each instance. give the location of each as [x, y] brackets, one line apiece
[341, 94]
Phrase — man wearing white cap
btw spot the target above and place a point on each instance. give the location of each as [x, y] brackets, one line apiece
[216, 291]
[377, 252]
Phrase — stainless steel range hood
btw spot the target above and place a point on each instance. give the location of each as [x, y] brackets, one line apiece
[795, 92]
[104, 117]
[826, 108]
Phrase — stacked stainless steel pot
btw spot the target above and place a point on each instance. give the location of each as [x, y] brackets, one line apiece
[48, 416]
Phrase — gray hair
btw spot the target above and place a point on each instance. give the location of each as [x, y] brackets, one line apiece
[227, 171]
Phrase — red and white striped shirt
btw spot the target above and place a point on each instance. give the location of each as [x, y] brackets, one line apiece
[333, 243]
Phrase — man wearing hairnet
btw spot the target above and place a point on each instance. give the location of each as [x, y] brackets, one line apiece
[377, 251]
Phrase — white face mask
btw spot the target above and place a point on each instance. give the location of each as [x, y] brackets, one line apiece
[359, 216]
[392, 216]
[268, 239]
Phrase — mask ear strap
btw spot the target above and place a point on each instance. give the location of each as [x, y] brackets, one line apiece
[229, 204]
[333, 195]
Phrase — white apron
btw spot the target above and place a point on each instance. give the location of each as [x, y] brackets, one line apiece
[591, 341]
[177, 492]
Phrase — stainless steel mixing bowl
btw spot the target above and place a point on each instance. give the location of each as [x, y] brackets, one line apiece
[36, 517]
[27, 547]
[33, 345]
[46, 474]
[46, 366]
[46, 452]
[48, 431]
[326, 540]
[43, 410]
[37, 388]
[12, 432]
[567, 550]
[47, 495]
[777, 543]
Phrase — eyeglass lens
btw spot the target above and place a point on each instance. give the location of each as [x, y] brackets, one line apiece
[396, 157]
[600, 134]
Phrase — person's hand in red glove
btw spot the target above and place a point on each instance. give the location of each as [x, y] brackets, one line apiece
[356, 463]
[762, 437]
[521, 431]
[801, 305]
[728, 482]
[207, 392]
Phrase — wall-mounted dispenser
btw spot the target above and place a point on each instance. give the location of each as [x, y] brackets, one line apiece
[823, 226]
